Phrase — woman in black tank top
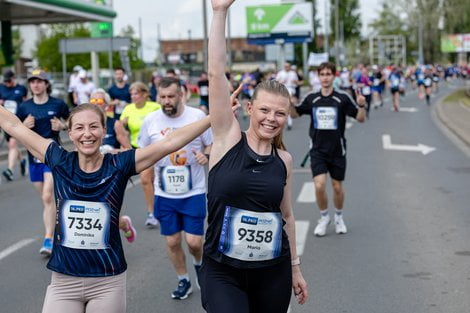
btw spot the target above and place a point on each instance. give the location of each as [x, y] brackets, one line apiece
[250, 262]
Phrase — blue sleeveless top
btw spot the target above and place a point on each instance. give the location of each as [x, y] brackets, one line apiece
[86, 239]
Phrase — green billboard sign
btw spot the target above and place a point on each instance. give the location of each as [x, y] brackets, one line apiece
[291, 22]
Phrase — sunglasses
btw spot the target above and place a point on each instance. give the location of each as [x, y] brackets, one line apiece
[97, 101]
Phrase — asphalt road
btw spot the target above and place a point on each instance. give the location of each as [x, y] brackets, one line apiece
[407, 214]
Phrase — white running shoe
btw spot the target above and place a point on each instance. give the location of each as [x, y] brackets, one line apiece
[339, 225]
[323, 222]
[151, 221]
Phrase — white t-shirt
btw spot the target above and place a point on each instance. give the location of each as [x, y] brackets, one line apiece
[73, 81]
[289, 79]
[84, 91]
[314, 81]
[156, 126]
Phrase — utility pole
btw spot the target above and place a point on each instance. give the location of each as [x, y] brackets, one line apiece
[204, 26]
[337, 48]
[420, 43]
[141, 51]
[325, 27]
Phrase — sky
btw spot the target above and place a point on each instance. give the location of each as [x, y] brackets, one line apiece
[176, 17]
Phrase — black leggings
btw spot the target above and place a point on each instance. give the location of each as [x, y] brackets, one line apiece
[226, 289]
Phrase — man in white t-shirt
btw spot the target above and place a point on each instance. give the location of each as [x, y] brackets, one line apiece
[83, 89]
[180, 184]
[289, 78]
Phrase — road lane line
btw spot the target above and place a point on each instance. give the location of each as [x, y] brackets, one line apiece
[301, 232]
[307, 194]
[15, 247]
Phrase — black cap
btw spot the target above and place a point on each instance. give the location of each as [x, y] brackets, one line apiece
[8, 76]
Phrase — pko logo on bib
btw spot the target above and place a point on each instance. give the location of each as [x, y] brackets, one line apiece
[77, 209]
[249, 220]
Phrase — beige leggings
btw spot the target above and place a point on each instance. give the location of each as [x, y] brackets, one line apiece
[85, 294]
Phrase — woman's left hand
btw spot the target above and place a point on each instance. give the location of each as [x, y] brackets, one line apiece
[299, 285]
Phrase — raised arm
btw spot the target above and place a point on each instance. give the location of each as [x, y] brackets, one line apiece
[149, 155]
[35, 144]
[225, 127]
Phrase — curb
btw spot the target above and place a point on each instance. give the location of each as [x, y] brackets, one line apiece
[444, 122]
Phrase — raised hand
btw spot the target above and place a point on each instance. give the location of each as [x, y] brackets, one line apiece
[221, 4]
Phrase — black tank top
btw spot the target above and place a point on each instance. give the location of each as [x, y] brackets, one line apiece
[243, 179]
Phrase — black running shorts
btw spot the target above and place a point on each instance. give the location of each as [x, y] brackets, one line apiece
[322, 164]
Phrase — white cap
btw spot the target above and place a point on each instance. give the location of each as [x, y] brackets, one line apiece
[77, 68]
[82, 73]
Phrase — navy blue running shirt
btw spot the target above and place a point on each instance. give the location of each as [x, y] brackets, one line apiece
[88, 204]
[16, 93]
[43, 113]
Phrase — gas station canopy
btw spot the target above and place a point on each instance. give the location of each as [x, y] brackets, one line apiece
[21, 12]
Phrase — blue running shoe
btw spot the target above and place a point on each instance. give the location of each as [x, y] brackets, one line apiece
[183, 290]
[46, 248]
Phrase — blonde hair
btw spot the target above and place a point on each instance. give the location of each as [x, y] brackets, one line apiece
[140, 87]
[277, 88]
[87, 107]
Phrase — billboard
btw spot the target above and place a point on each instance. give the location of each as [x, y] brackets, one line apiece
[279, 23]
[455, 43]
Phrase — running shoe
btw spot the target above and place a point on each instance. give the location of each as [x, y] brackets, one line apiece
[339, 225]
[129, 233]
[197, 268]
[183, 290]
[8, 174]
[151, 221]
[46, 248]
[323, 222]
[23, 167]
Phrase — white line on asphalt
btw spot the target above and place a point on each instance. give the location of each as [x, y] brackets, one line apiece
[15, 247]
[301, 232]
[307, 194]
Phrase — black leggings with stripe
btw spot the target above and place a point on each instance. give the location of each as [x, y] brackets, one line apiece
[226, 289]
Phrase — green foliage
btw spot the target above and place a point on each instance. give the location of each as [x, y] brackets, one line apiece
[17, 44]
[350, 15]
[456, 16]
[47, 49]
[49, 57]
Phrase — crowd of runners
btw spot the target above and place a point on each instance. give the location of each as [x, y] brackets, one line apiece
[246, 258]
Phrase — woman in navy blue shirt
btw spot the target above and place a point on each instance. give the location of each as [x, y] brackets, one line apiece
[87, 260]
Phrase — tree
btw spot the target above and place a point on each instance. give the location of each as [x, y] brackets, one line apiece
[47, 49]
[456, 16]
[49, 57]
[349, 18]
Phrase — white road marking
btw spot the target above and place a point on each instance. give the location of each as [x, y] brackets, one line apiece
[15, 247]
[307, 194]
[301, 232]
[387, 145]
[407, 109]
